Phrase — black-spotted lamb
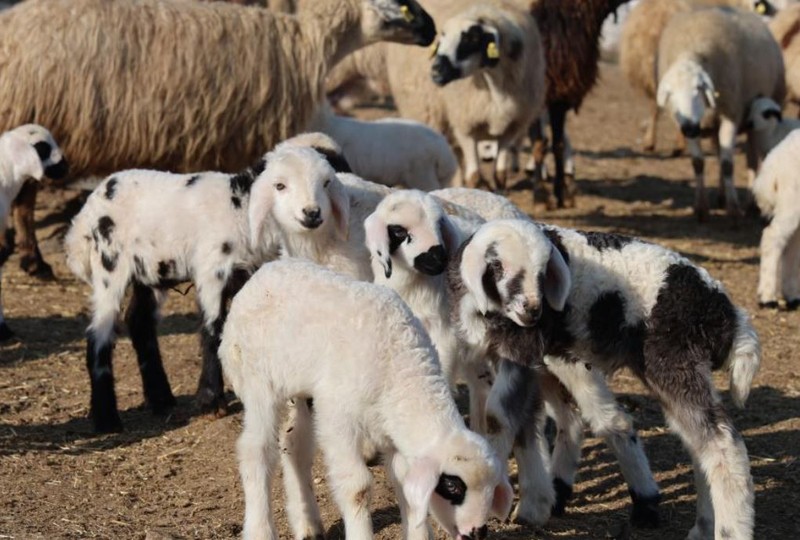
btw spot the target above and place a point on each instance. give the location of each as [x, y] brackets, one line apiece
[777, 193]
[525, 291]
[712, 63]
[27, 153]
[376, 385]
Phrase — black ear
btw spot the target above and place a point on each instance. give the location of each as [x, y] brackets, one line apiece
[772, 113]
[336, 160]
[259, 167]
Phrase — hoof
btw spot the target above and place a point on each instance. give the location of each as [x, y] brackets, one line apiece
[563, 494]
[772, 304]
[535, 514]
[34, 266]
[107, 423]
[162, 403]
[644, 514]
[210, 403]
[791, 305]
[6, 334]
[701, 213]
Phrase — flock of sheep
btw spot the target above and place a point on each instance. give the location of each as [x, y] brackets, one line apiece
[343, 310]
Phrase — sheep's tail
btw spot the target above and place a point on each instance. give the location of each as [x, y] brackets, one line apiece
[744, 358]
[78, 247]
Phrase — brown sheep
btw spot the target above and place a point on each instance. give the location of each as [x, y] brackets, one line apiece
[175, 85]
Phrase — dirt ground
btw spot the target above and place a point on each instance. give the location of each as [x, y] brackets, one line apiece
[176, 476]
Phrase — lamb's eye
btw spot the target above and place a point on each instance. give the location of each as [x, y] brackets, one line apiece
[451, 488]
[326, 184]
[397, 235]
[280, 187]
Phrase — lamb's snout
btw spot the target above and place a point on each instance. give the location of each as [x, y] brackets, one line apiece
[312, 217]
[690, 130]
[433, 262]
[476, 534]
[443, 71]
[528, 315]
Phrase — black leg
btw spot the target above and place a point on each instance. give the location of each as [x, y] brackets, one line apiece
[210, 391]
[31, 260]
[141, 319]
[105, 416]
[558, 116]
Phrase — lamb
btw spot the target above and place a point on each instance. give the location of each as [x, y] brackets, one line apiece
[522, 291]
[500, 87]
[398, 405]
[150, 94]
[27, 153]
[639, 46]
[712, 63]
[785, 27]
[767, 126]
[156, 229]
[392, 151]
[415, 269]
[777, 192]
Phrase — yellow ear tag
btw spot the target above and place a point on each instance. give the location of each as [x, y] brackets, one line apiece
[492, 51]
[407, 15]
[761, 8]
[434, 48]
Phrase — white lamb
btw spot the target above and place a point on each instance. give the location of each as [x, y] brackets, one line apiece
[777, 192]
[392, 151]
[26, 153]
[376, 385]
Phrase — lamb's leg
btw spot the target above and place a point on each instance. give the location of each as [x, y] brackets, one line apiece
[5, 331]
[513, 413]
[607, 419]
[563, 187]
[774, 241]
[727, 145]
[297, 460]
[471, 168]
[31, 260]
[569, 437]
[210, 395]
[99, 349]
[790, 273]
[142, 318]
[502, 166]
[257, 448]
[698, 164]
[718, 449]
[349, 478]
[649, 141]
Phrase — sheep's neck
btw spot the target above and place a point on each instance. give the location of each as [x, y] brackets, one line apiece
[334, 28]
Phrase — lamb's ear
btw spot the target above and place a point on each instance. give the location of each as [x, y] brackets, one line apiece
[501, 499]
[473, 266]
[262, 199]
[450, 236]
[708, 90]
[25, 161]
[557, 280]
[377, 240]
[340, 203]
[418, 486]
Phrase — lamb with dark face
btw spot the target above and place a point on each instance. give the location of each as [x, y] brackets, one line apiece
[612, 304]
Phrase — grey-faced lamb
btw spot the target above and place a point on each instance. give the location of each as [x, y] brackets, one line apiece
[150, 78]
[27, 153]
[399, 404]
[777, 193]
[766, 125]
[525, 291]
[712, 63]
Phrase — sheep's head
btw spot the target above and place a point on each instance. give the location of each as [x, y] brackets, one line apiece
[511, 267]
[401, 21]
[688, 91]
[764, 115]
[33, 153]
[468, 44]
[323, 144]
[462, 483]
[409, 229]
[299, 191]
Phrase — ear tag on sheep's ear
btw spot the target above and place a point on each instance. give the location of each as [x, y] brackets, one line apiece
[761, 8]
[492, 51]
[407, 15]
[434, 48]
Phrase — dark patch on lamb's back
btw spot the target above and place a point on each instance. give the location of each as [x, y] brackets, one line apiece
[602, 241]
[611, 336]
[111, 188]
[192, 180]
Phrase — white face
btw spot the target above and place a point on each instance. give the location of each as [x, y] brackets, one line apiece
[465, 46]
[401, 21]
[53, 162]
[689, 95]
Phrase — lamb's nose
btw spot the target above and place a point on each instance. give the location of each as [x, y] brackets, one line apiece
[312, 212]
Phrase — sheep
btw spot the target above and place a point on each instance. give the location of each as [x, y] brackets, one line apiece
[157, 88]
[358, 75]
[639, 46]
[391, 151]
[411, 239]
[27, 152]
[522, 291]
[156, 229]
[767, 126]
[500, 87]
[399, 404]
[712, 63]
[785, 27]
[777, 193]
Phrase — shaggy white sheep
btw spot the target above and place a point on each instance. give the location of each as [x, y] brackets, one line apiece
[26, 153]
[376, 385]
[523, 292]
[777, 192]
[392, 151]
[712, 63]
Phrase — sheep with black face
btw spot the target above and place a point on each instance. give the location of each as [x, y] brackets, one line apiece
[524, 291]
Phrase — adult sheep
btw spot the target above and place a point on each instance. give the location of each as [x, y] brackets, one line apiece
[176, 85]
[786, 27]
